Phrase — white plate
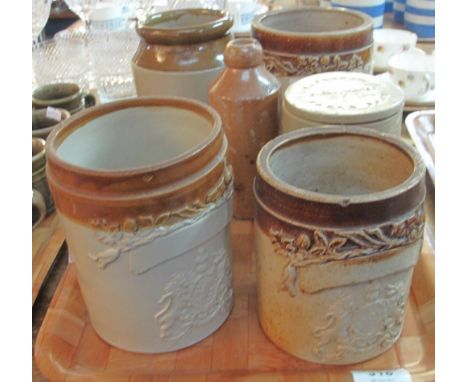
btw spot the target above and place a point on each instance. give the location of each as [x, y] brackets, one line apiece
[421, 127]
[427, 100]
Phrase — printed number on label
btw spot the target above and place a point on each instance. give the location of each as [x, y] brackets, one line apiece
[399, 375]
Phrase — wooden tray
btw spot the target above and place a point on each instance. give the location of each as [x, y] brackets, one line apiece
[68, 349]
[47, 239]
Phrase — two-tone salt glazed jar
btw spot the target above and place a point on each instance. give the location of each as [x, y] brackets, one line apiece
[338, 231]
[144, 194]
[342, 98]
[302, 41]
[180, 52]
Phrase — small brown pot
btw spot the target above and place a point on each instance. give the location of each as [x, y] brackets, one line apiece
[181, 52]
[246, 97]
[338, 231]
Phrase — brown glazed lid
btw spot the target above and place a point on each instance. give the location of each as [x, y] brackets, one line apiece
[286, 189]
[185, 26]
[313, 30]
[143, 192]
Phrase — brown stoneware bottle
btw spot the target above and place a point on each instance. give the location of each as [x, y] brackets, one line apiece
[246, 97]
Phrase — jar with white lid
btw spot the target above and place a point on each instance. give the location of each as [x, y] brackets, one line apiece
[342, 98]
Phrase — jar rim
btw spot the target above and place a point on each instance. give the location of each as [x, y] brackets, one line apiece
[196, 32]
[259, 22]
[268, 176]
[59, 135]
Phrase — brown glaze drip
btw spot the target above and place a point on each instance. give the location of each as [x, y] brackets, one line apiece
[139, 195]
[310, 42]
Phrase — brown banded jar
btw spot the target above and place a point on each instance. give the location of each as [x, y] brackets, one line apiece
[181, 52]
[299, 42]
[144, 193]
[338, 231]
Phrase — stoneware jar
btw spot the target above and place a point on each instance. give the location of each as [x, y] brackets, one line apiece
[343, 98]
[302, 41]
[39, 181]
[43, 121]
[180, 52]
[246, 97]
[39, 209]
[144, 193]
[338, 231]
[65, 95]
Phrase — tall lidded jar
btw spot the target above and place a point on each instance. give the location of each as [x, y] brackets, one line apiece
[246, 97]
[338, 232]
[180, 52]
[143, 192]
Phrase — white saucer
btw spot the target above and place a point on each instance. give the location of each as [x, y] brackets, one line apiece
[427, 100]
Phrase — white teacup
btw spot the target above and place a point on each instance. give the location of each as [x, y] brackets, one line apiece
[413, 72]
[388, 42]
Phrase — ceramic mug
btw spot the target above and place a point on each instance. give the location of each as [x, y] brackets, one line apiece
[388, 42]
[373, 8]
[64, 95]
[44, 120]
[38, 208]
[414, 73]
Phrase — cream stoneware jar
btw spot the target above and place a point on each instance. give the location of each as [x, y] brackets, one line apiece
[144, 194]
[181, 52]
[343, 98]
[338, 231]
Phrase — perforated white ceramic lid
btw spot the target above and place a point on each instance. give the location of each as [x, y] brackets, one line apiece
[343, 97]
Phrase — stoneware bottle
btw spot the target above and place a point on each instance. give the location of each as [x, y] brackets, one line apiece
[246, 97]
[338, 231]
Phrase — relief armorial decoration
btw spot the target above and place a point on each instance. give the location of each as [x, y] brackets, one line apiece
[194, 297]
[323, 246]
[287, 66]
[127, 236]
[346, 325]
